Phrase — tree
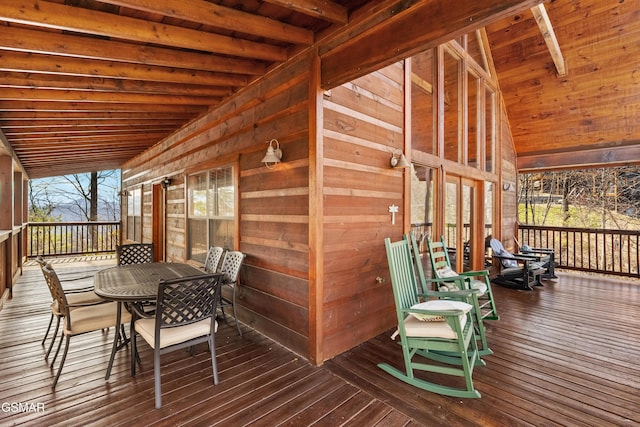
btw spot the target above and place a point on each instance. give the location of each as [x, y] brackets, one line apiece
[593, 198]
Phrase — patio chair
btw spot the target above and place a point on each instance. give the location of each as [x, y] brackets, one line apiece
[544, 256]
[230, 268]
[134, 253]
[185, 316]
[212, 262]
[479, 279]
[456, 288]
[83, 295]
[79, 318]
[515, 271]
[439, 332]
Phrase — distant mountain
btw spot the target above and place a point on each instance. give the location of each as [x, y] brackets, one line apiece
[69, 212]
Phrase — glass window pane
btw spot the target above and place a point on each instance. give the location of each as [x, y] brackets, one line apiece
[197, 235]
[490, 120]
[472, 121]
[197, 196]
[422, 202]
[422, 119]
[451, 107]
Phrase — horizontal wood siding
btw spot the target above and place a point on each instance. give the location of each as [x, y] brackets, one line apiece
[509, 174]
[273, 204]
[363, 123]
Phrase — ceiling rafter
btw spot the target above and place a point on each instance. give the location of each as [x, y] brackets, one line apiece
[215, 15]
[546, 28]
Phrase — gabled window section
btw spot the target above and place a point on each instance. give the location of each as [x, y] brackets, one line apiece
[210, 211]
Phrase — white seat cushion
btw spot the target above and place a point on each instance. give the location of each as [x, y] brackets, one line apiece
[420, 328]
[95, 317]
[480, 286]
[172, 336]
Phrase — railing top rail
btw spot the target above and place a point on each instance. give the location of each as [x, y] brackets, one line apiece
[54, 223]
[576, 229]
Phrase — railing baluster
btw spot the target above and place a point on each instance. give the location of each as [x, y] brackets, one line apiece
[72, 238]
[594, 250]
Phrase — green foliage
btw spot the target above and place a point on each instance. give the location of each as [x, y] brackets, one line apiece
[42, 214]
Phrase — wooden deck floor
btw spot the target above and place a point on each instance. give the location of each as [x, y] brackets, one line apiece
[566, 354]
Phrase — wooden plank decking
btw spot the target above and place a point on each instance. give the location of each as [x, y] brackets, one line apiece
[566, 354]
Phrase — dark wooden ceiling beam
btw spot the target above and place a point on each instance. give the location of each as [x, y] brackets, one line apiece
[39, 63]
[215, 15]
[97, 84]
[406, 28]
[52, 95]
[13, 127]
[69, 18]
[47, 42]
[35, 117]
[323, 9]
[72, 107]
[582, 158]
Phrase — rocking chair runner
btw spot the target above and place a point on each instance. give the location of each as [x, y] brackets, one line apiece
[438, 331]
[456, 288]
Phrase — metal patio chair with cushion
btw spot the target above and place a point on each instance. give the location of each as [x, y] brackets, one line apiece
[479, 279]
[75, 296]
[134, 253]
[515, 271]
[185, 316]
[230, 268]
[79, 318]
[212, 262]
[436, 335]
[442, 291]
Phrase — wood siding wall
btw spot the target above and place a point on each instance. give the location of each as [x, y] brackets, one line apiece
[273, 203]
[363, 123]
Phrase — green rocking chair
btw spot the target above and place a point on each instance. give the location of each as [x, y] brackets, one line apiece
[441, 268]
[460, 291]
[436, 335]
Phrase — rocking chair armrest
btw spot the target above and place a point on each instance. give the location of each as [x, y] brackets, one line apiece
[458, 278]
[517, 257]
[463, 294]
[475, 273]
[444, 313]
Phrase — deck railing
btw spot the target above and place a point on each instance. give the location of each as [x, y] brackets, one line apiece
[588, 249]
[72, 238]
[605, 251]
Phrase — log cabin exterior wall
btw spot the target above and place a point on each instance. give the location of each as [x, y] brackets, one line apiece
[273, 204]
[318, 292]
[363, 123]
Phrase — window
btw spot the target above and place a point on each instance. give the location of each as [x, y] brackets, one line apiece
[134, 215]
[211, 212]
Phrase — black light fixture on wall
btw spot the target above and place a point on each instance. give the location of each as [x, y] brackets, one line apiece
[166, 182]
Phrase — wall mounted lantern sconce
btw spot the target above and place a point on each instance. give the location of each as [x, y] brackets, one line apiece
[166, 182]
[274, 154]
[123, 193]
[398, 160]
[508, 186]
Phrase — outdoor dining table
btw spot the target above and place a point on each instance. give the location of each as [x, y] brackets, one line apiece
[135, 283]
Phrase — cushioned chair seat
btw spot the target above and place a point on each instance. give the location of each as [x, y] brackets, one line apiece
[172, 336]
[95, 317]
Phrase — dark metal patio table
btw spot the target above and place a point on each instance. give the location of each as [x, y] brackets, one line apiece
[135, 283]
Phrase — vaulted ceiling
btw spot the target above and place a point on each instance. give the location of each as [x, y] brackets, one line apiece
[86, 85]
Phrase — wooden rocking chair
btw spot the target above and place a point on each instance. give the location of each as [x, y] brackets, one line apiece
[441, 268]
[515, 270]
[460, 290]
[437, 331]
